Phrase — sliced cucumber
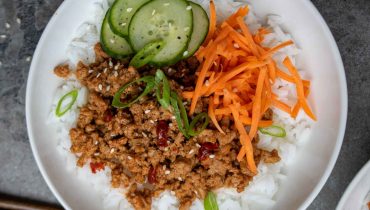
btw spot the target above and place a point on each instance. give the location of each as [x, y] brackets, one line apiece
[200, 29]
[146, 54]
[167, 20]
[121, 14]
[112, 44]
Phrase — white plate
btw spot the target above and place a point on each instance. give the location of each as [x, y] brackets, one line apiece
[353, 197]
[320, 58]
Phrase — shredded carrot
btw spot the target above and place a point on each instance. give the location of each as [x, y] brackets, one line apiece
[212, 21]
[237, 73]
[299, 87]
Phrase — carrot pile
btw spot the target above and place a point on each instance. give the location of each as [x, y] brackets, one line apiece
[237, 74]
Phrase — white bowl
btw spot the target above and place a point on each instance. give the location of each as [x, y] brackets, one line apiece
[320, 58]
[354, 196]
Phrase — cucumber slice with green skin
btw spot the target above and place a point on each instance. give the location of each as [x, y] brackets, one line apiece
[167, 20]
[146, 54]
[121, 14]
[200, 29]
[114, 45]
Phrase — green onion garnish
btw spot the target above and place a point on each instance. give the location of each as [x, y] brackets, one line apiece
[273, 130]
[60, 111]
[150, 84]
[146, 54]
[182, 121]
[210, 202]
[201, 116]
[163, 92]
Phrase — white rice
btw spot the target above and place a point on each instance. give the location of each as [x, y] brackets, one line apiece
[261, 192]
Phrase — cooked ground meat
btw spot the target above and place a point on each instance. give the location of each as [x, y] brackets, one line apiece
[62, 71]
[128, 140]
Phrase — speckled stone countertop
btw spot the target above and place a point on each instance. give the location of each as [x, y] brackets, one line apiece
[22, 23]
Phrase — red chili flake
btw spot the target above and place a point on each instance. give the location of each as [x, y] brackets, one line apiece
[96, 167]
[108, 116]
[206, 149]
[162, 130]
[152, 176]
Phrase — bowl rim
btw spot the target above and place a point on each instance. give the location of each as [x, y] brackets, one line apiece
[353, 184]
[334, 155]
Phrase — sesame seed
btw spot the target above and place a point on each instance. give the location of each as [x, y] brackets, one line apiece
[123, 24]
[110, 64]
[144, 134]
[129, 157]
[170, 70]
[3, 36]
[115, 74]
[179, 178]
[91, 71]
[181, 87]
[166, 4]
[7, 25]
[98, 75]
[164, 167]
[207, 83]
[96, 154]
[195, 192]
[96, 142]
[166, 149]
[129, 9]
[28, 59]
[105, 70]
[108, 88]
[236, 45]
[112, 150]
[167, 172]
[153, 13]
[198, 145]
[186, 53]
[212, 156]
[112, 41]
[100, 86]
[113, 135]
[147, 111]
[173, 117]
[116, 67]
[185, 103]
[188, 8]
[18, 20]
[172, 192]
[151, 121]
[191, 152]
[170, 124]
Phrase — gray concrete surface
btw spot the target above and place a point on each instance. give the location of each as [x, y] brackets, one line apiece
[349, 21]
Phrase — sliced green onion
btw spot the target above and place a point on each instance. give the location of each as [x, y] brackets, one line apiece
[201, 116]
[273, 130]
[60, 111]
[146, 54]
[150, 84]
[163, 96]
[210, 202]
[182, 121]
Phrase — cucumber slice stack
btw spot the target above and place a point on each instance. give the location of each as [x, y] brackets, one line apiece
[133, 25]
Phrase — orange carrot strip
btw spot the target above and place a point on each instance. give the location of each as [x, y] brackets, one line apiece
[277, 48]
[212, 21]
[257, 103]
[244, 140]
[299, 87]
[200, 81]
[211, 115]
[289, 78]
